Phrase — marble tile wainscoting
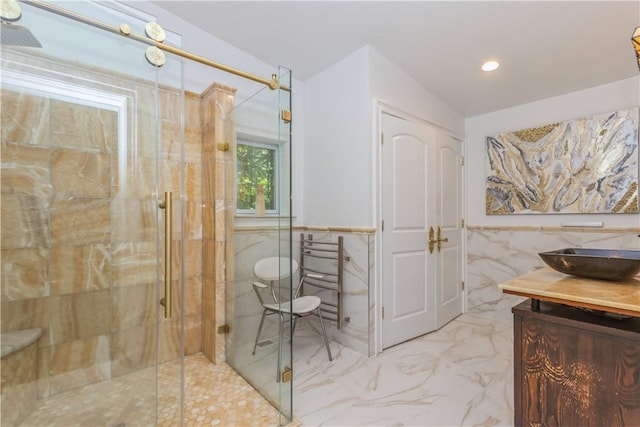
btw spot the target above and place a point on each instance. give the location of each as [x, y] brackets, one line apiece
[357, 330]
[497, 254]
[252, 244]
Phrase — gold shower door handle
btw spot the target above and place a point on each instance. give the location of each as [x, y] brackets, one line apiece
[431, 240]
[166, 205]
[440, 240]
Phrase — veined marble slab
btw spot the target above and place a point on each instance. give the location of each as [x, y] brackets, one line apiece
[546, 284]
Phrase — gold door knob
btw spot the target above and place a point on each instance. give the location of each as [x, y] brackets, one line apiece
[432, 241]
[440, 240]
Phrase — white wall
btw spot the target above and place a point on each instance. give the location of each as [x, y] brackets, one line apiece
[337, 166]
[584, 103]
[340, 159]
[392, 86]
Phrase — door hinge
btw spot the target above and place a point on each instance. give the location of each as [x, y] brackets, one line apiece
[287, 375]
[383, 312]
[462, 223]
[224, 329]
[462, 161]
[383, 225]
[382, 139]
[462, 283]
[286, 116]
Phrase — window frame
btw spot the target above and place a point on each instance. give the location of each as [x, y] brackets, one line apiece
[259, 142]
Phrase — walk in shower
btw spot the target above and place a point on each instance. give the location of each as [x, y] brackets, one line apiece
[119, 191]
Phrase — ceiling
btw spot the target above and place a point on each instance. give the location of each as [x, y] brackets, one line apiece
[545, 48]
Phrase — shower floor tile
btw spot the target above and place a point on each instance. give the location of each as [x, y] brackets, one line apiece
[215, 395]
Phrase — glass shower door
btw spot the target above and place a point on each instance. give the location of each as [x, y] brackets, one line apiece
[262, 229]
[89, 146]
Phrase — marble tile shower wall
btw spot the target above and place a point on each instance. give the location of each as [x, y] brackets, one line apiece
[496, 254]
[252, 245]
[79, 245]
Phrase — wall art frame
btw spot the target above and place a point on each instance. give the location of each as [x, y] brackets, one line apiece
[580, 166]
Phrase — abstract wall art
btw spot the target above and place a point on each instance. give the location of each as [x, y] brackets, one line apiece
[587, 165]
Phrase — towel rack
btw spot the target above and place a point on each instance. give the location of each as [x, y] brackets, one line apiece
[326, 259]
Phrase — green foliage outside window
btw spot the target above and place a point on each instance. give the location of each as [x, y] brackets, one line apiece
[256, 164]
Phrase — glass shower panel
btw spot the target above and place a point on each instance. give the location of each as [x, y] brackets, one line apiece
[85, 162]
[263, 155]
[285, 237]
[178, 264]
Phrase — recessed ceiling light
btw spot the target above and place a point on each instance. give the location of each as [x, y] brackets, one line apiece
[490, 66]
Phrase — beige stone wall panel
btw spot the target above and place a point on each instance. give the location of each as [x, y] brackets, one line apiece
[25, 170]
[169, 345]
[80, 268]
[26, 314]
[138, 174]
[80, 174]
[80, 221]
[133, 220]
[193, 220]
[193, 296]
[82, 315]
[80, 354]
[208, 254]
[25, 118]
[134, 263]
[24, 221]
[193, 144]
[193, 181]
[25, 273]
[132, 349]
[192, 334]
[133, 306]
[208, 180]
[83, 127]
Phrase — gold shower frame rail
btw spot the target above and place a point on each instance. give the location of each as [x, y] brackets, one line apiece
[272, 83]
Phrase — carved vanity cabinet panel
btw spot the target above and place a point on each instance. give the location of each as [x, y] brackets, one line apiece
[574, 368]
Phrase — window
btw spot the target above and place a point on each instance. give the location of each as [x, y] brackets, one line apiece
[256, 165]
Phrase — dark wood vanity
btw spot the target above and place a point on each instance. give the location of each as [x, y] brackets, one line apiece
[576, 367]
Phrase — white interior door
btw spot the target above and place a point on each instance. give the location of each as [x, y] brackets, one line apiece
[421, 188]
[408, 275]
[449, 219]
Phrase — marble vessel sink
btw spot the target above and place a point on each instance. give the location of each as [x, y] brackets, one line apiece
[606, 264]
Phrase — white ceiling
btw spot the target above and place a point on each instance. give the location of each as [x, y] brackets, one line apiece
[545, 48]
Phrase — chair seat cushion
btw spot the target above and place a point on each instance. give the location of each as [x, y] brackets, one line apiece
[302, 305]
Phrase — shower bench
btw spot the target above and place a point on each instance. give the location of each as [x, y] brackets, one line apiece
[19, 365]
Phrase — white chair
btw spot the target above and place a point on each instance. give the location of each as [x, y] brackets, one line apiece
[272, 270]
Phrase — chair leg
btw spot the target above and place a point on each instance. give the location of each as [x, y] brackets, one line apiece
[264, 313]
[293, 327]
[324, 334]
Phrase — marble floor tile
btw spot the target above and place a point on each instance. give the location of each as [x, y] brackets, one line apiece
[461, 375]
